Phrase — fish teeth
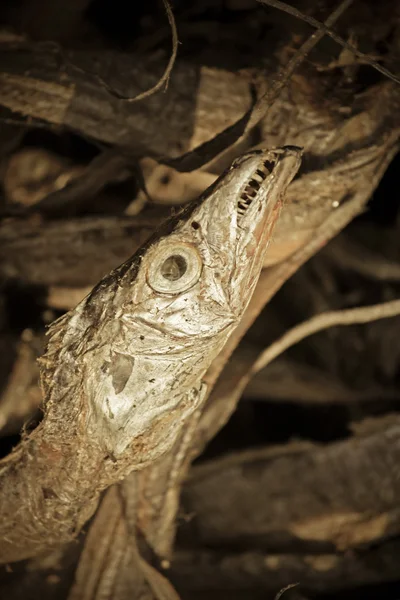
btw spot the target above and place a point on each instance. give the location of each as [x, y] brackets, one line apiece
[242, 205]
[253, 186]
[269, 166]
[249, 191]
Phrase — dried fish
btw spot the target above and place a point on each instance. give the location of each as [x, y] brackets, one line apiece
[123, 370]
[144, 337]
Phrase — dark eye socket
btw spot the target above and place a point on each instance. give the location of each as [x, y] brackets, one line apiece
[174, 267]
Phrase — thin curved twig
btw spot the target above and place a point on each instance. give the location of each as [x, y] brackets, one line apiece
[362, 314]
[285, 589]
[294, 12]
[163, 81]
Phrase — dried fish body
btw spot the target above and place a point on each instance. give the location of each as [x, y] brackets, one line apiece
[123, 371]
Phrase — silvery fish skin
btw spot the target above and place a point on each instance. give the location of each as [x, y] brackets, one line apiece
[140, 343]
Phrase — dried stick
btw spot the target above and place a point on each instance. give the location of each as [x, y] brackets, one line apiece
[164, 79]
[344, 493]
[291, 10]
[271, 95]
[285, 589]
[362, 314]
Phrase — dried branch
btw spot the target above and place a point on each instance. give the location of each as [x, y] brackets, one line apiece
[362, 314]
[163, 81]
[108, 167]
[66, 252]
[344, 493]
[285, 589]
[165, 125]
[111, 543]
[291, 10]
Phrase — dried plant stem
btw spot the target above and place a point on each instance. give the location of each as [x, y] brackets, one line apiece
[363, 314]
[272, 94]
[285, 589]
[163, 81]
[291, 10]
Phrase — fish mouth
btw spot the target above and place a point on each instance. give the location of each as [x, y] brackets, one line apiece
[262, 175]
[253, 186]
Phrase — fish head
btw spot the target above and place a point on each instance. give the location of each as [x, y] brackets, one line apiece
[133, 353]
[195, 280]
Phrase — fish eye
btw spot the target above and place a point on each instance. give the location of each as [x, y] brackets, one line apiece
[174, 268]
